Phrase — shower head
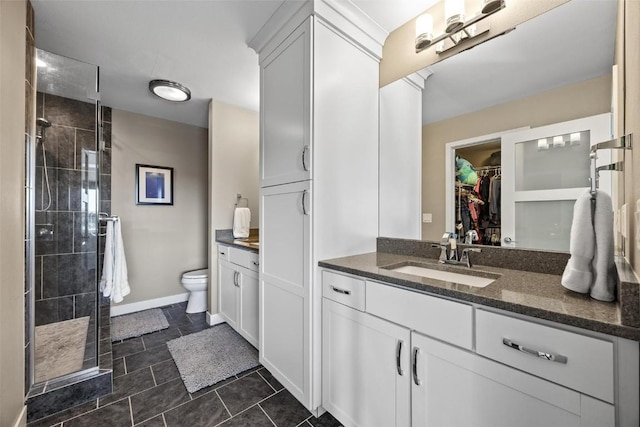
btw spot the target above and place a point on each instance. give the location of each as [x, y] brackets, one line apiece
[42, 122]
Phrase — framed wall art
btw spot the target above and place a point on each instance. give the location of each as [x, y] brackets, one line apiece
[154, 185]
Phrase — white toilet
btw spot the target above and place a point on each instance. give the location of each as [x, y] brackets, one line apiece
[196, 283]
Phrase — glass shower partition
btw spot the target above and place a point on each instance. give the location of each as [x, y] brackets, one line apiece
[65, 176]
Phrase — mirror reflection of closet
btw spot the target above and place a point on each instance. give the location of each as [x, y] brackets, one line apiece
[477, 193]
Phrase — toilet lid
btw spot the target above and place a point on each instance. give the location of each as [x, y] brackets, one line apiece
[197, 274]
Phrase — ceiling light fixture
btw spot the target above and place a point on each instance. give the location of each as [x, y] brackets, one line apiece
[456, 28]
[171, 91]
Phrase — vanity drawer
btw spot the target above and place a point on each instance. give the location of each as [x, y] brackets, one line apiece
[436, 317]
[223, 252]
[582, 363]
[244, 258]
[344, 289]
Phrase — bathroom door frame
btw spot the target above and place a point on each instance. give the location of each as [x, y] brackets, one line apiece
[450, 170]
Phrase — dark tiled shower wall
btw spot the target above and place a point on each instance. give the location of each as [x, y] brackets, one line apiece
[29, 139]
[67, 263]
[66, 249]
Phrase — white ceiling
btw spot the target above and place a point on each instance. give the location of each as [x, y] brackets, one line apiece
[201, 44]
[569, 44]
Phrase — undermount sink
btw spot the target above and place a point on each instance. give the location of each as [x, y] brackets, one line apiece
[477, 279]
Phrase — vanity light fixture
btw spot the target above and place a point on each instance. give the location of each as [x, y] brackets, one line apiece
[456, 28]
[543, 144]
[171, 91]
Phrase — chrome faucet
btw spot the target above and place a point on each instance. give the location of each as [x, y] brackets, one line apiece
[465, 259]
[447, 247]
[449, 252]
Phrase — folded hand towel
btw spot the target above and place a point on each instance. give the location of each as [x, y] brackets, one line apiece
[241, 223]
[604, 282]
[578, 274]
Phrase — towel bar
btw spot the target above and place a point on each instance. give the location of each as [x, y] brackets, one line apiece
[624, 142]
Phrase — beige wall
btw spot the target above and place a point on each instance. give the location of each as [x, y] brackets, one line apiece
[161, 242]
[632, 122]
[400, 59]
[570, 102]
[12, 136]
[234, 135]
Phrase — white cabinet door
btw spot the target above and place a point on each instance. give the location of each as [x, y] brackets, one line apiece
[228, 292]
[366, 373]
[248, 319]
[285, 324]
[286, 110]
[453, 387]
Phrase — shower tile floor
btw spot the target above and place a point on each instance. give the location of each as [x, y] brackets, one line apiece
[148, 391]
[60, 348]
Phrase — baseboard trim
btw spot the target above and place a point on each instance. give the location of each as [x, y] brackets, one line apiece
[21, 421]
[214, 319]
[117, 310]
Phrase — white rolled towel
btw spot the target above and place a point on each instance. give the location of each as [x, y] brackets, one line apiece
[604, 282]
[241, 223]
[578, 274]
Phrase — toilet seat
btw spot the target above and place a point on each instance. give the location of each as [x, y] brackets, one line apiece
[196, 274]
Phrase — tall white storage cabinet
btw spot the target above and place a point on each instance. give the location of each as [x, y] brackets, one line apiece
[319, 65]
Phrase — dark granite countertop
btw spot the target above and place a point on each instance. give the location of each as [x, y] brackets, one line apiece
[529, 293]
[252, 243]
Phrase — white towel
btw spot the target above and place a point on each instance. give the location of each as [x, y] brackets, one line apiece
[241, 223]
[604, 283]
[114, 282]
[591, 266]
[577, 274]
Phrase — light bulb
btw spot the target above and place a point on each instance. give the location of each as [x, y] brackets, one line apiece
[454, 15]
[424, 31]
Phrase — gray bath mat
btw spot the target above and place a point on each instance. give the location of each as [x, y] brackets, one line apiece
[212, 355]
[136, 324]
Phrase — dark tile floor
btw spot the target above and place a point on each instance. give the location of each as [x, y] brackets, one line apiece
[148, 391]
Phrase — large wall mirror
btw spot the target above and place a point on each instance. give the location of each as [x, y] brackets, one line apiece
[552, 70]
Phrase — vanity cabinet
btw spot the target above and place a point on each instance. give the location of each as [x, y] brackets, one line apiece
[454, 387]
[319, 174]
[365, 368]
[393, 357]
[238, 290]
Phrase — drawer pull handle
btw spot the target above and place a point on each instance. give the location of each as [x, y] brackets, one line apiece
[416, 351]
[548, 356]
[341, 291]
[398, 354]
